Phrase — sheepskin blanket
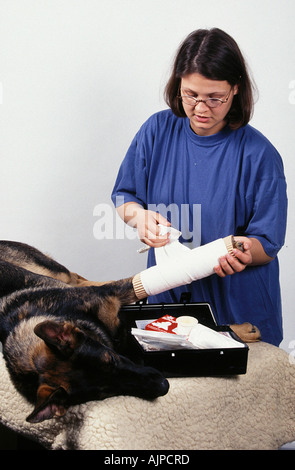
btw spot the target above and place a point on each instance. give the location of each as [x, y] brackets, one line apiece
[251, 411]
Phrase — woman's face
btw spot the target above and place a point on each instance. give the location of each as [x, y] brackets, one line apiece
[203, 119]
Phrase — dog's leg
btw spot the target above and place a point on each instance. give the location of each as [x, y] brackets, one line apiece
[14, 278]
[97, 302]
[31, 259]
[102, 303]
[75, 280]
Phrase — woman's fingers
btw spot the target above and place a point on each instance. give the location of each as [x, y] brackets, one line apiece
[149, 230]
[230, 264]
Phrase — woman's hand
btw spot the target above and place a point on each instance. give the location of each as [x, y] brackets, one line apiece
[146, 222]
[229, 264]
[148, 229]
[253, 255]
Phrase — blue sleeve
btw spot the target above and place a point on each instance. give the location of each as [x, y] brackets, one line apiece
[131, 182]
[268, 217]
[268, 223]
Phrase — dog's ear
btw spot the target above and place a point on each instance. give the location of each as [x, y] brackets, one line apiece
[51, 403]
[62, 335]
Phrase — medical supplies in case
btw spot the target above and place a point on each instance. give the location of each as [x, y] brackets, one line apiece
[182, 340]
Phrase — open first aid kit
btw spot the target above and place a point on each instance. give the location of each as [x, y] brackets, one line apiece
[182, 340]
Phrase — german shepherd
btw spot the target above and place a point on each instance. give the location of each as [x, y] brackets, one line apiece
[62, 337]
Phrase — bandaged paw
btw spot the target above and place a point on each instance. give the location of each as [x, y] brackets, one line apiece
[178, 265]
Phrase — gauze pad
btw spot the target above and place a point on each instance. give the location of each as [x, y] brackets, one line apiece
[205, 338]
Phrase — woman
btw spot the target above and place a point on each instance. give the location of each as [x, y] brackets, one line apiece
[202, 157]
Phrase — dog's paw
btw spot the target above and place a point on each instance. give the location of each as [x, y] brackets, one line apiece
[246, 332]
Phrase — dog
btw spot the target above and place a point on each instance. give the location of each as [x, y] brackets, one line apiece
[63, 341]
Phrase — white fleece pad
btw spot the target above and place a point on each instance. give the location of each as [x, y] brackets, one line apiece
[251, 411]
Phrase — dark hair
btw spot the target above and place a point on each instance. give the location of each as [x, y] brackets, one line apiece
[215, 55]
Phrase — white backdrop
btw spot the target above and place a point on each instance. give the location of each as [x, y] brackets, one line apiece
[78, 78]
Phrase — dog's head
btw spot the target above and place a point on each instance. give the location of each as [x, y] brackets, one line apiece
[75, 367]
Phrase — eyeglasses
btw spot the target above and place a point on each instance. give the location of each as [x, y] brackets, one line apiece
[210, 102]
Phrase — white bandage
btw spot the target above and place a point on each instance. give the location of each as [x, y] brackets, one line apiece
[177, 265]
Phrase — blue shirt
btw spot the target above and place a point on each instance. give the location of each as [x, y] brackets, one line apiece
[209, 187]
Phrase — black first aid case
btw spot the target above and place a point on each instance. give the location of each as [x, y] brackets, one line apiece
[174, 361]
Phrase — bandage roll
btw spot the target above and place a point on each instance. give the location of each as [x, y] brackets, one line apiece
[183, 268]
